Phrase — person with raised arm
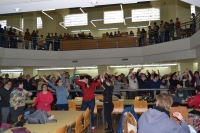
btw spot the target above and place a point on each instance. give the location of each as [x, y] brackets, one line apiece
[107, 102]
[61, 92]
[133, 83]
[88, 88]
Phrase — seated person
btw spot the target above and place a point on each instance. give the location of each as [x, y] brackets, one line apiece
[195, 102]
[180, 92]
[176, 100]
[158, 120]
[19, 128]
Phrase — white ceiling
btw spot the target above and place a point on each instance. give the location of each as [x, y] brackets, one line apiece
[193, 2]
[8, 6]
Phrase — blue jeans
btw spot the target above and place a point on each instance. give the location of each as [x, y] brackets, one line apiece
[162, 36]
[178, 33]
[89, 104]
[62, 106]
[156, 38]
[150, 40]
[34, 44]
[193, 26]
[171, 32]
[143, 39]
[47, 45]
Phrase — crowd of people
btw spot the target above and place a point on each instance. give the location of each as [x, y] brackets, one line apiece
[156, 34]
[56, 89]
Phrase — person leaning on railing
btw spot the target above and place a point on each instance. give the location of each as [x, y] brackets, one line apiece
[34, 39]
[150, 33]
[27, 37]
[48, 41]
[19, 41]
[171, 29]
[1, 36]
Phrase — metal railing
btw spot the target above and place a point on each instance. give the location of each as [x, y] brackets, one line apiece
[187, 29]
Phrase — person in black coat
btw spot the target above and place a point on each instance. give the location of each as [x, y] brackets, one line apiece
[108, 104]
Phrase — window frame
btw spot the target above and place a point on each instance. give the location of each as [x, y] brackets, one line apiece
[78, 15]
[1, 22]
[41, 25]
[148, 14]
[122, 19]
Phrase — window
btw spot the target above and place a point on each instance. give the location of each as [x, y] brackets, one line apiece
[3, 23]
[145, 14]
[113, 17]
[76, 20]
[39, 23]
[22, 24]
[192, 8]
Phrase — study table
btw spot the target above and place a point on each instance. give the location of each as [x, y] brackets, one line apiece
[63, 118]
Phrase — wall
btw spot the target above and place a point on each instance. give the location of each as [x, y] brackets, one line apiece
[168, 11]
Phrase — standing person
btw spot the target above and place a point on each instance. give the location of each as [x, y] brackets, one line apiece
[56, 42]
[158, 120]
[150, 33]
[143, 39]
[178, 28]
[5, 38]
[88, 88]
[48, 41]
[193, 25]
[162, 31]
[14, 39]
[133, 83]
[1, 36]
[139, 34]
[19, 41]
[171, 29]
[27, 37]
[61, 92]
[44, 99]
[10, 37]
[17, 101]
[156, 29]
[34, 39]
[142, 81]
[5, 100]
[107, 102]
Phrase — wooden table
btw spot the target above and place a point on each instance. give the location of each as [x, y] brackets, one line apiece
[63, 118]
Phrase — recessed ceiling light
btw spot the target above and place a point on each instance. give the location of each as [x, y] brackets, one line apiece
[94, 2]
[17, 9]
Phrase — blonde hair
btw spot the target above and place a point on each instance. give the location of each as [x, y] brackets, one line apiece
[165, 101]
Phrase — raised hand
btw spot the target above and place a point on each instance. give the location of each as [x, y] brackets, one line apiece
[58, 74]
[178, 115]
[188, 69]
[104, 73]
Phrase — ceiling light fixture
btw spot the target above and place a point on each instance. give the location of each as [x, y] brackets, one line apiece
[17, 9]
[121, 6]
[82, 10]
[94, 2]
[61, 24]
[103, 29]
[12, 70]
[43, 11]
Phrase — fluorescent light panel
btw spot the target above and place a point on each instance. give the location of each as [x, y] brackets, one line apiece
[145, 65]
[43, 11]
[67, 68]
[12, 70]
[62, 25]
[82, 10]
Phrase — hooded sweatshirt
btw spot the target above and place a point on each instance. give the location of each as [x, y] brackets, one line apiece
[154, 121]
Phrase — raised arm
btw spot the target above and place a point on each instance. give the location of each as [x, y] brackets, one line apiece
[73, 76]
[62, 78]
[79, 82]
[51, 84]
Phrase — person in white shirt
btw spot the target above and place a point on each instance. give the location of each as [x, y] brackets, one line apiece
[133, 83]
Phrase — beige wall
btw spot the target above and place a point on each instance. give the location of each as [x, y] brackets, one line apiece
[169, 10]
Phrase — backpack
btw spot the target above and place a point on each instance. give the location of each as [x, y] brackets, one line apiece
[65, 90]
[39, 117]
[147, 98]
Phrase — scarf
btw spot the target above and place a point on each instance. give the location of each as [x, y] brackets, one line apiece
[161, 110]
[19, 89]
[197, 81]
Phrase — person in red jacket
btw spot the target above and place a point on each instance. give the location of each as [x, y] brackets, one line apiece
[195, 102]
[44, 99]
[88, 88]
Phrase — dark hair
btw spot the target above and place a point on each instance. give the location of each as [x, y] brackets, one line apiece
[43, 86]
[197, 88]
[180, 83]
[196, 72]
[20, 123]
[18, 83]
[172, 90]
[155, 75]
[57, 80]
[89, 80]
[7, 81]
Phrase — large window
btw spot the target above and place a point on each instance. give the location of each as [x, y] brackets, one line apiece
[145, 14]
[192, 8]
[22, 24]
[113, 17]
[39, 23]
[76, 20]
[3, 23]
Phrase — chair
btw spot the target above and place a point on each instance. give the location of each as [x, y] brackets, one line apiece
[78, 98]
[78, 125]
[118, 108]
[19, 117]
[180, 109]
[61, 130]
[96, 113]
[137, 98]
[72, 106]
[86, 117]
[140, 107]
[99, 97]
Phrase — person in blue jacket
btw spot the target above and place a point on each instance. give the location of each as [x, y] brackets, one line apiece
[61, 92]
